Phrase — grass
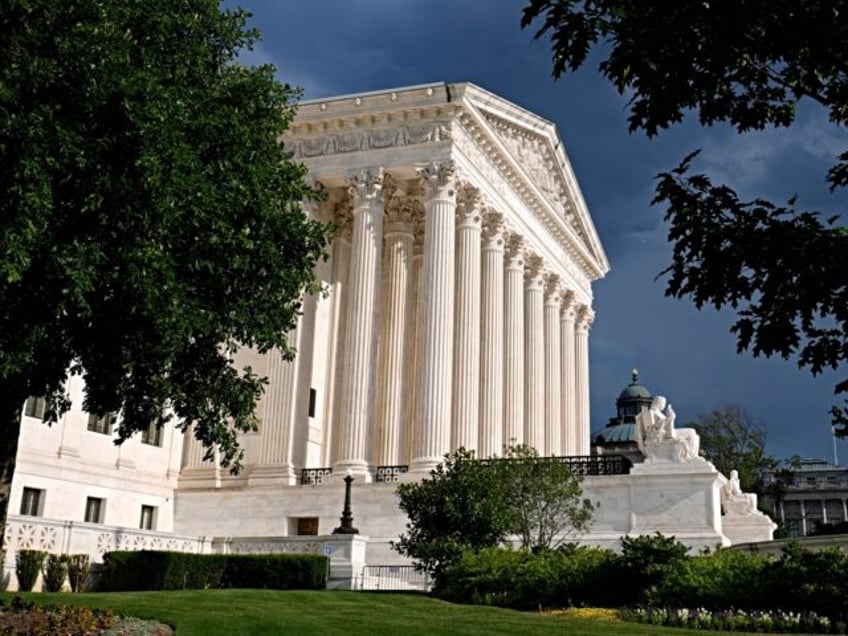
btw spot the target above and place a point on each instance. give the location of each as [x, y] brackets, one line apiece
[248, 612]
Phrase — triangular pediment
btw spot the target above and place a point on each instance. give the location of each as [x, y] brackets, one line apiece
[537, 153]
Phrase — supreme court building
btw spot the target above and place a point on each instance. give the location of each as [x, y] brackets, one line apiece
[456, 312]
[458, 292]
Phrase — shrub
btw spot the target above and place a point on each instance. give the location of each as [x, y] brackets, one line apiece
[55, 572]
[154, 570]
[79, 569]
[522, 579]
[276, 571]
[27, 566]
[644, 564]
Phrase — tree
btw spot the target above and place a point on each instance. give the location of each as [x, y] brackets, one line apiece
[731, 438]
[459, 507]
[466, 504]
[748, 63]
[151, 220]
[544, 497]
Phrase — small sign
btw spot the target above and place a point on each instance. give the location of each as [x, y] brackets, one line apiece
[328, 550]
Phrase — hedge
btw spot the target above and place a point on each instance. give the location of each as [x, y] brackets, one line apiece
[159, 570]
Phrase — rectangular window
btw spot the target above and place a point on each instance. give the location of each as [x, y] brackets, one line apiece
[313, 394]
[148, 518]
[32, 502]
[152, 435]
[94, 509]
[35, 407]
[102, 424]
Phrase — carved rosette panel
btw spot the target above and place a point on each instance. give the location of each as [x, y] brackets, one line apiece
[105, 543]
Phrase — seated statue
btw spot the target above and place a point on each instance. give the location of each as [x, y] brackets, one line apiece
[733, 500]
[657, 438]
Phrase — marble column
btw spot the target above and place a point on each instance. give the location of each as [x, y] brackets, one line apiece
[553, 367]
[275, 466]
[343, 221]
[434, 381]
[569, 377]
[514, 341]
[414, 342]
[534, 355]
[392, 372]
[466, 353]
[492, 333]
[357, 404]
[584, 320]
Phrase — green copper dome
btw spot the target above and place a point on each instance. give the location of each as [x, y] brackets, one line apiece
[634, 390]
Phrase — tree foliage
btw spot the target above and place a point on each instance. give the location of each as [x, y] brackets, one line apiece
[732, 439]
[151, 220]
[458, 507]
[544, 496]
[466, 505]
[748, 63]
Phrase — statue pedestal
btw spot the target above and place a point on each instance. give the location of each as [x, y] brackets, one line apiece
[747, 528]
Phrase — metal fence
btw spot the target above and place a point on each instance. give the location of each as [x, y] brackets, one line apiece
[393, 578]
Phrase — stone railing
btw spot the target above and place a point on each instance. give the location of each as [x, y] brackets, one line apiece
[315, 476]
[94, 539]
[584, 465]
[389, 474]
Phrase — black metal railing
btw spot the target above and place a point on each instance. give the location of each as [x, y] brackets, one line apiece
[584, 465]
[389, 474]
[396, 578]
[314, 476]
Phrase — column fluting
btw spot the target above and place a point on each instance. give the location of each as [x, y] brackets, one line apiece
[534, 356]
[514, 341]
[492, 338]
[584, 320]
[466, 353]
[357, 404]
[435, 373]
[553, 368]
[393, 385]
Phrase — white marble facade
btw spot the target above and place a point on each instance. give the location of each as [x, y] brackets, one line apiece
[458, 284]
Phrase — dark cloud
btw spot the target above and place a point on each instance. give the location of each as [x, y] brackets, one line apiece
[342, 46]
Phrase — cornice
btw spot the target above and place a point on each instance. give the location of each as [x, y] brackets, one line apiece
[524, 149]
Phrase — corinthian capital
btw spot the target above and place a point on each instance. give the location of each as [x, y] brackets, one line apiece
[493, 228]
[514, 251]
[533, 269]
[468, 201]
[585, 317]
[366, 186]
[553, 291]
[438, 178]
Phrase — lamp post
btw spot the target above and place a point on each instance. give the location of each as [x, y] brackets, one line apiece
[346, 526]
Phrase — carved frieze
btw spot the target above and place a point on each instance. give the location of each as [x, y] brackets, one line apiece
[353, 141]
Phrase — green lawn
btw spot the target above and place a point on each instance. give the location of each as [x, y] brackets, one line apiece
[242, 612]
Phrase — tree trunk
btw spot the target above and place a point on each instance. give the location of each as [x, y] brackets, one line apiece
[13, 396]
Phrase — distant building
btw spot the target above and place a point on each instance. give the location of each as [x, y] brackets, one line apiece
[816, 496]
[618, 437]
